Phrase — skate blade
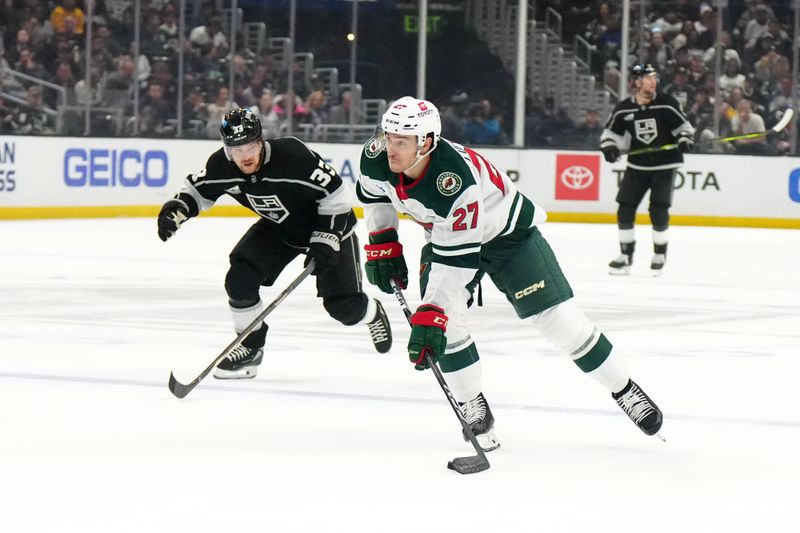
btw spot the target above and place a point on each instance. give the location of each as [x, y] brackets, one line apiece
[660, 436]
[619, 271]
[657, 273]
[243, 373]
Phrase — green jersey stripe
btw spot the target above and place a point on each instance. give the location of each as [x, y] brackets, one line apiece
[513, 215]
[455, 247]
[460, 261]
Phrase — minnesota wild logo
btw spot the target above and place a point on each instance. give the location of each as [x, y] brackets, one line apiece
[375, 146]
[448, 183]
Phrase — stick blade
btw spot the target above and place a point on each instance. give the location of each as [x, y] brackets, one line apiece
[468, 465]
[784, 121]
[177, 388]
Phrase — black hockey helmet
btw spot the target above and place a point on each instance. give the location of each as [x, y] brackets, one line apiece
[640, 70]
[239, 126]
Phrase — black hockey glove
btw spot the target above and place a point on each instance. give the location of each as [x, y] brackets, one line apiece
[323, 248]
[685, 144]
[172, 215]
[611, 153]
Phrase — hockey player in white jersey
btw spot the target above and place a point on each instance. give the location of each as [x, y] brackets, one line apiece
[476, 223]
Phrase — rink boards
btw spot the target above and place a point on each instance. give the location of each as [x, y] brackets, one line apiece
[43, 177]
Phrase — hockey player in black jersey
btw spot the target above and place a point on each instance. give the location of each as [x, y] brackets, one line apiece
[646, 119]
[305, 208]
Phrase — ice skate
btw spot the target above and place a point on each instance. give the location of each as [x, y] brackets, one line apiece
[481, 421]
[659, 259]
[639, 408]
[380, 331]
[657, 264]
[621, 266]
[241, 363]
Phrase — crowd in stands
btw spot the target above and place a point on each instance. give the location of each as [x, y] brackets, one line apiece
[678, 38]
[45, 40]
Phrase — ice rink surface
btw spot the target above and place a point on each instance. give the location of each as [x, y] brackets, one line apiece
[333, 437]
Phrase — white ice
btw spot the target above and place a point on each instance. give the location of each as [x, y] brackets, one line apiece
[333, 437]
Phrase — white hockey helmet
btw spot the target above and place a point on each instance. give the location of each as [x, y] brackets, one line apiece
[410, 116]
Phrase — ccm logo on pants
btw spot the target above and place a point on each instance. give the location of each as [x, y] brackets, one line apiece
[528, 290]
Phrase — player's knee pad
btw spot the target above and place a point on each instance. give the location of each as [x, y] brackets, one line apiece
[348, 310]
[566, 327]
[659, 216]
[242, 282]
[626, 215]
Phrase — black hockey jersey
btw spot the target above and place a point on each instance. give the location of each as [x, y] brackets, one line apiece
[632, 126]
[294, 188]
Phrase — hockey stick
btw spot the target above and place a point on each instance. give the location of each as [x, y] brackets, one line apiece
[180, 390]
[462, 465]
[777, 128]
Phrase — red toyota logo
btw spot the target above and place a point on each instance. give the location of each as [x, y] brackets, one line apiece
[577, 177]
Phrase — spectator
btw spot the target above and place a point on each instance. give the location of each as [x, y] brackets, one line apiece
[701, 108]
[7, 119]
[120, 85]
[756, 27]
[63, 11]
[659, 52]
[195, 111]
[746, 122]
[252, 93]
[670, 24]
[92, 91]
[155, 112]
[265, 111]
[781, 99]
[23, 42]
[317, 105]
[453, 117]
[587, 134]
[216, 110]
[680, 88]
[482, 126]
[287, 102]
[728, 50]
[731, 78]
[706, 26]
[752, 91]
[65, 78]
[169, 30]
[33, 119]
[340, 114]
[153, 42]
[27, 64]
[558, 128]
[209, 34]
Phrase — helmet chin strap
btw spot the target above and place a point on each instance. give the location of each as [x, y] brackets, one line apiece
[417, 161]
[419, 157]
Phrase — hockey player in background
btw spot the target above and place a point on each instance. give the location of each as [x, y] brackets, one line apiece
[476, 222]
[304, 208]
[646, 119]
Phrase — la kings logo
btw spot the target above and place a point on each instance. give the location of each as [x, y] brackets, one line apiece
[269, 207]
[646, 130]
